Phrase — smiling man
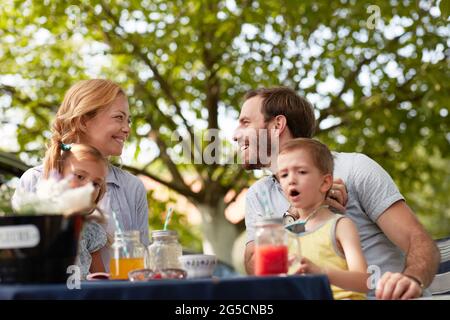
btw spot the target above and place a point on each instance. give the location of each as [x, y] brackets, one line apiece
[393, 240]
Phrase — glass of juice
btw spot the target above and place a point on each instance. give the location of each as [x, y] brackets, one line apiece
[128, 254]
[271, 250]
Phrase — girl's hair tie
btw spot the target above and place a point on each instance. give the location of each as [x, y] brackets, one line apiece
[65, 147]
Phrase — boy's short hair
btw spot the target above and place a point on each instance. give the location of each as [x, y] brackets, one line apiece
[319, 152]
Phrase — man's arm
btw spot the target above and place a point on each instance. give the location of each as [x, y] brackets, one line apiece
[249, 258]
[401, 226]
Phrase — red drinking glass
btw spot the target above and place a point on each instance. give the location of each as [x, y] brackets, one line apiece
[271, 251]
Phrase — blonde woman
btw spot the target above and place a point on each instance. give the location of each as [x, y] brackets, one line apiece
[96, 112]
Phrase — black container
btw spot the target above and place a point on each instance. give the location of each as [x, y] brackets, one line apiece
[38, 249]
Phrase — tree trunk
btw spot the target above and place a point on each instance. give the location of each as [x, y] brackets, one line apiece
[218, 233]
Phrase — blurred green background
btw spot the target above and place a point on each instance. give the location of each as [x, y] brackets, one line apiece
[377, 73]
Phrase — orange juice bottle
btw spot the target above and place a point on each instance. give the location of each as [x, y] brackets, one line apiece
[127, 254]
[119, 268]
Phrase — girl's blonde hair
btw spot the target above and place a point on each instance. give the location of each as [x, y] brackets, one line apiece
[82, 152]
[82, 102]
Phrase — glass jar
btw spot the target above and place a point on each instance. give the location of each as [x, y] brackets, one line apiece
[271, 250]
[128, 253]
[164, 251]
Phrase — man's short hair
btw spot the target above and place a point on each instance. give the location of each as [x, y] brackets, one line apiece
[320, 154]
[284, 101]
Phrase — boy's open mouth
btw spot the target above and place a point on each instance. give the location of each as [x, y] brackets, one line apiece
[294, 193]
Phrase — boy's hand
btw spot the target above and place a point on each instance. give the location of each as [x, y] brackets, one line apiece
[338, 197]
[306, 266]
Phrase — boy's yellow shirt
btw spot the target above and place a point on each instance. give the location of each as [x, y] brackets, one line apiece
[319, 246]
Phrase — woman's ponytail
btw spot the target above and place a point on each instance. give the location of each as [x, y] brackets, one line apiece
[52, 160]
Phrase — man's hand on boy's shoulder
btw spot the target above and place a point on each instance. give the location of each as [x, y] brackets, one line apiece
[337, 197]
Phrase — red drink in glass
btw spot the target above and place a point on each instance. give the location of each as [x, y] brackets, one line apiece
[271, 259]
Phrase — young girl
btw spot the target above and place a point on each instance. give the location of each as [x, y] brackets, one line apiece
[84, 164]
[96, 112]
[329, 243]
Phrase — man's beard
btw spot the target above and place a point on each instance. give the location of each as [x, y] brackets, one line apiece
[250, 163]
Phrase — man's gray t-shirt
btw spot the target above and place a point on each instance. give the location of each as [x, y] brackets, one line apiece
[370, 192]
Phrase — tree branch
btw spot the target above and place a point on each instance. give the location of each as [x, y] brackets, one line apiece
[187, 193]
[172, 125]
[331, 128]
[137, 50]
[169, 121]
[156, 75]
[333, 107]
[15, 94]
[173, 169]
[348, 81]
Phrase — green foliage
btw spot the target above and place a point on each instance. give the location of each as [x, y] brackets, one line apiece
[5, 200]
[189, 236]
[383, 91]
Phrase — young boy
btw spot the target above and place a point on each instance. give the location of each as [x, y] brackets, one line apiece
[329, 242]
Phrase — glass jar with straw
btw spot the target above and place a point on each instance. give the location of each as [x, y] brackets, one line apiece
[164, 251]
[128, 253]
